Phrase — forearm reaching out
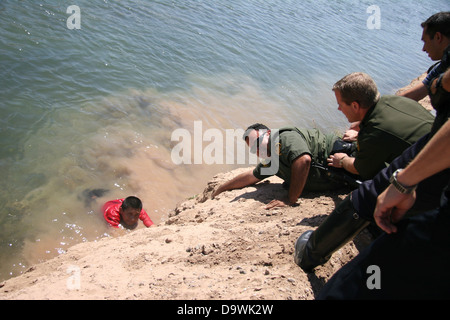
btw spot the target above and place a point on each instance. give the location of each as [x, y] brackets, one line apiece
[243, 180]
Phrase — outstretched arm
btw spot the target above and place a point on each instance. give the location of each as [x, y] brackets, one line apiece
[416, 93]
[243, 180]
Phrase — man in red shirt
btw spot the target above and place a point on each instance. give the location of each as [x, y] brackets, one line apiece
[125, 212]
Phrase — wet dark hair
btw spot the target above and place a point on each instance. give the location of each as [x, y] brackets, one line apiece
[132, 202]
[438, 22]
[256, 126]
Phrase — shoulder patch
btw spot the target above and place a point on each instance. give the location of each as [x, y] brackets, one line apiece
[278, 148]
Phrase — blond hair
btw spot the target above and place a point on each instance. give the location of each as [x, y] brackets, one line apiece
[358, 87]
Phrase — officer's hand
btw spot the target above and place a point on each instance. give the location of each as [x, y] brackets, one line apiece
[350, 135]
[276, 203]
[391, 207]
[335, 160]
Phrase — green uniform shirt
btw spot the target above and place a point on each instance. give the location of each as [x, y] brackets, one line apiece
[394, 124]
[293, 143]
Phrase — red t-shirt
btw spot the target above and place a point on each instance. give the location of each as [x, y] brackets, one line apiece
[112, 216]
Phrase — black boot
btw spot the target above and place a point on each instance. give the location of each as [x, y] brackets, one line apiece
[315, 248]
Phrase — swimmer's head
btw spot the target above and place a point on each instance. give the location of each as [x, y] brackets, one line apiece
[130, 210]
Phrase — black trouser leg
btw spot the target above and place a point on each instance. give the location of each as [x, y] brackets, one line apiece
[413, 263]
[316, 248]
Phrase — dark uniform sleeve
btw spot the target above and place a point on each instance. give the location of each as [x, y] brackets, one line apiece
[374, 153]
[257, 172]
[293, 145]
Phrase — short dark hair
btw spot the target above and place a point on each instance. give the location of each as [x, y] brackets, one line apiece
[132, 202]
[256, 126]
[438, 22]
